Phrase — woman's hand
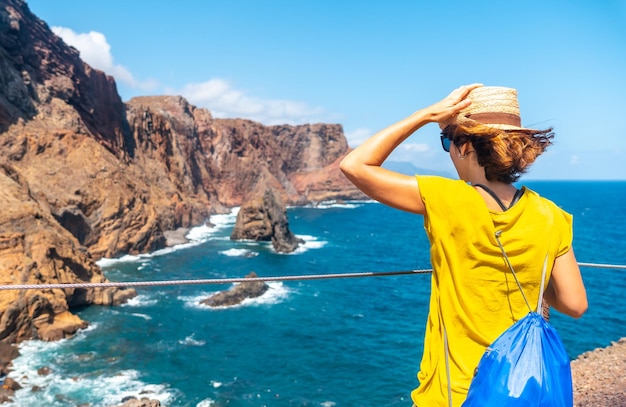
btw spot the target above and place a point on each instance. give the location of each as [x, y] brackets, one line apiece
[451, 104]
[363, 165]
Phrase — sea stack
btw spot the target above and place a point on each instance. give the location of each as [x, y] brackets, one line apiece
[236, 295]
[263, 217]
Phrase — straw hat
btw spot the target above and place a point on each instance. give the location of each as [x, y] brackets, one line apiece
[493, 106]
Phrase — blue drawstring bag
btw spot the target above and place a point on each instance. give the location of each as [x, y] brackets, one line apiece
[526, 366]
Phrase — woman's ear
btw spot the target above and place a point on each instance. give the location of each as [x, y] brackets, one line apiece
[465, 148]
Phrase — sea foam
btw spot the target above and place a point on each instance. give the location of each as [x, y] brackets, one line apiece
[310, 243]
[191, 341]
[195, 237]
[206, 403]
[58, 389]
[141, 300]
[239, 253]
[334, 204]
[276, 293]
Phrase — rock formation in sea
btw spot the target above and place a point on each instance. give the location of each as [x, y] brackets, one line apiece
[263, 217]
[84, 175]
[237, 294]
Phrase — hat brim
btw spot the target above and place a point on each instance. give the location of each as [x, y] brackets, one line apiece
[469, 122]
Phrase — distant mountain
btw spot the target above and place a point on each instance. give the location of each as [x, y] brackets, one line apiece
[407, 168]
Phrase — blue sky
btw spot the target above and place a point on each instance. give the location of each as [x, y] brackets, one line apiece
[366, 64]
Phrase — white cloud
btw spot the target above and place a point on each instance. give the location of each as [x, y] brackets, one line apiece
[96, 51]
[415, 148]
[419, 153]
[219, 97]
[574, 160]
[358, 136]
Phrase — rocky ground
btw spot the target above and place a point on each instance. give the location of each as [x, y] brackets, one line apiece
[600, 377]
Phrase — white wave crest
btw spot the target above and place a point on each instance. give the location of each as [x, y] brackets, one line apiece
[337, 204]
[310, 243]
[141, 300]
[239, 253]
[144, 316]
[59, 390]
[196, 236]
[276, 293]
[191, 341]
[206, 403]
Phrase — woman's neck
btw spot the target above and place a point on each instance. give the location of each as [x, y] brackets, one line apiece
[498, 196]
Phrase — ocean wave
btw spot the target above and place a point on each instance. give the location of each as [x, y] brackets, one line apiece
[206, 403]
[60, 390]
[83, 332]
[141, 300]
[144, 316]
[276, 293]
[239, 253]
[195, 237]
[310, 243]
[191, 341]
[336, 204]
[145, 257]
[201, 234]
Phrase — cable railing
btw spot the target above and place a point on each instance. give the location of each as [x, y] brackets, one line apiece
[161, 283]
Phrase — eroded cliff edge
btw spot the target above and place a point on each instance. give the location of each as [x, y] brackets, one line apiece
[84, 175]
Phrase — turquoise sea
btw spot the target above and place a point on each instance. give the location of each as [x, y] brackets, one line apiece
[337, 342]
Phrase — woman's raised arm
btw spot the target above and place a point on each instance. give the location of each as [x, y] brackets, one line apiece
[363, 165]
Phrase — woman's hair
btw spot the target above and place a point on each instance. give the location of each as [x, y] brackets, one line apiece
[505, 154]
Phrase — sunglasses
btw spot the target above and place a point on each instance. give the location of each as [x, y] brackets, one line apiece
[445, 142]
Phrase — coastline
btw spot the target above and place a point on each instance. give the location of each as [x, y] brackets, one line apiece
[599, 376]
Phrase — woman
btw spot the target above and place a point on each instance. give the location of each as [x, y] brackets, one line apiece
[473, 296]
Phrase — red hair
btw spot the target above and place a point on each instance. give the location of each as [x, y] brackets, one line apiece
[504, 154]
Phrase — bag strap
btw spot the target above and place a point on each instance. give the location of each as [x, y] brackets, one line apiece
[506, 258]
[543, 275]
[447, 349]
[543, 281]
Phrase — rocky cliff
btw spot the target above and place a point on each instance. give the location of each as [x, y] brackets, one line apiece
[84, 175]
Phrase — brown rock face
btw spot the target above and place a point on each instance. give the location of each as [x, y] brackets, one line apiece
[35, 249]
[85, 176]
[41, 74]
[8, 352]
[263, 217]
[236, 295]
[301, 162]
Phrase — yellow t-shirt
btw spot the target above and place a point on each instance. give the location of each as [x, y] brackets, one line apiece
[472, 288]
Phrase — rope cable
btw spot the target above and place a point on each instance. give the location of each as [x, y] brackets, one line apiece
[208, 281]
[603, 266]
[161, 283]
